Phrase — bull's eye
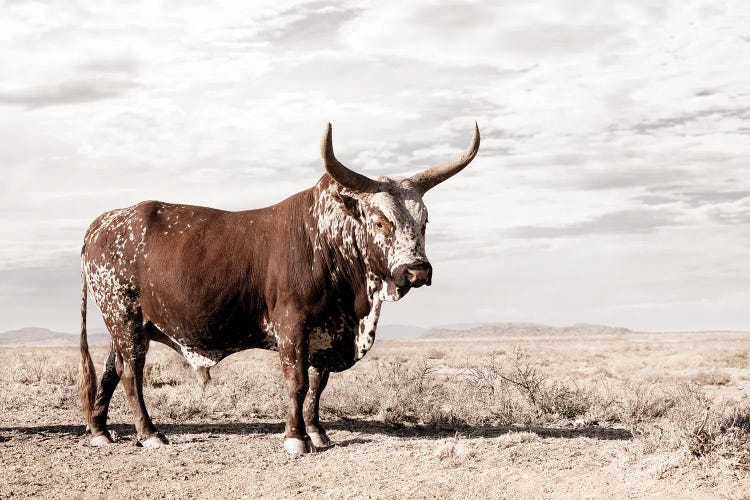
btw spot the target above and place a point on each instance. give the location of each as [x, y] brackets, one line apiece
[379, 225]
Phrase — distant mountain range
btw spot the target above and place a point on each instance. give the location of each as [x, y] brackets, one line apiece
[520, 330]
[33, 336]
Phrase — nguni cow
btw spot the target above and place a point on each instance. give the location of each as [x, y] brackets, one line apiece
[306, 277]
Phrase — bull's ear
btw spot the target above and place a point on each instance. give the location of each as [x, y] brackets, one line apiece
[348, 203]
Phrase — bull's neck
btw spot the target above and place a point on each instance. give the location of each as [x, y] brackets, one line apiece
[339, 243]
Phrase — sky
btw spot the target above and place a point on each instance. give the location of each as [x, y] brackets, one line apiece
[612, 185]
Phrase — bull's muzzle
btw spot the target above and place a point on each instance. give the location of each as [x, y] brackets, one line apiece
[413, 275]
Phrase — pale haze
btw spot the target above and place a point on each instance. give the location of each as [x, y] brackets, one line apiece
[612, 185]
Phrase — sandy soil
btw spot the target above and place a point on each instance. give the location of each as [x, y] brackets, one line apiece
[44, 452]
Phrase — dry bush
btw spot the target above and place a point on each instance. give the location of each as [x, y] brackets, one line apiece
[511, 439]
[258, 394]
[711, 377]
[641, 404]
[37, 398]
[454, 452]
[173, 370]
[38, 368]
[661, 416]
[391, 391]
[435, 354]
[738, 359]
[188, 402]
[684, 418]
[519, 392]
[235, 392]
[720, 433]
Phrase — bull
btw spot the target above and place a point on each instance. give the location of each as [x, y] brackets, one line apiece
[306, 277]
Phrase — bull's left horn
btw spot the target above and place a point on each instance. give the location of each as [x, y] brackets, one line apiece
[431, 177]
[341, 174]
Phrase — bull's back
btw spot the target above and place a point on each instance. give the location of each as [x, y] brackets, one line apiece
[188, 267]
[135, 248]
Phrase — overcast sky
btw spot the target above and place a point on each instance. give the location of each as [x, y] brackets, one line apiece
[612, 185]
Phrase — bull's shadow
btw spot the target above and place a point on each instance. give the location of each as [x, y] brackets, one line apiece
[361, 426]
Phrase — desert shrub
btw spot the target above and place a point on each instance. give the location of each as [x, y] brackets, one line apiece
[170, 371]
[517, 391]
[641, 404]
[435, 354]
[454, 452]
[712, 377]
[41, 368]
[191, 401]
[736, 359]
[234, 392]
[720, 433]
[684, 418]
[393, 392]
[259, 394]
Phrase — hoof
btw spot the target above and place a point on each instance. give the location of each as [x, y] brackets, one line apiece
[297, 447]
[319, 439]
[156, 441]
[101, 440]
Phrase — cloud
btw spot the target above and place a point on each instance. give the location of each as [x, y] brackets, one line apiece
[74, 92]
[693, 199]
[623, 222]
[119, 65]
[625, 177]
[700, 198]
[315, 24]
[457, 32]
[649, 126]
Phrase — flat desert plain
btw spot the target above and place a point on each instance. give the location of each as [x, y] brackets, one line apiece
[616, 416]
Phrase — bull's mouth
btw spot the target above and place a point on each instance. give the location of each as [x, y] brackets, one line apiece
[393, 291]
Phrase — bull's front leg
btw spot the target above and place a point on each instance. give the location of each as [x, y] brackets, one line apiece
[318, 380]
[293, 349]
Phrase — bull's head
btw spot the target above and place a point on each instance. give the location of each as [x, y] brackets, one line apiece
[393, 216]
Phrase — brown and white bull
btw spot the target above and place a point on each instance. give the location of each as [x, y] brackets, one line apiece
[306, 277]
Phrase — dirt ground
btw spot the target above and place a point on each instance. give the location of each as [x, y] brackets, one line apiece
[631, 416]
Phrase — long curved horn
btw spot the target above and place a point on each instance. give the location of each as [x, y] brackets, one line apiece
[347, 178]
[431, 177]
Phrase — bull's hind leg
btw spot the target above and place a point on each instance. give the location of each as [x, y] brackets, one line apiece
[132, 345]
[100, 435]
[318, 380]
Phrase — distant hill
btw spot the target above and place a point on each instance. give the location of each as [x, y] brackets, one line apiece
[399, 332]
[521, 330]
[35, 336]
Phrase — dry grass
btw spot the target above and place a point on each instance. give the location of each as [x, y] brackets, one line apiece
[679, 406]
[711, 377]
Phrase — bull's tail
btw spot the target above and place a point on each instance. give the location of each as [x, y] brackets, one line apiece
[87, 381]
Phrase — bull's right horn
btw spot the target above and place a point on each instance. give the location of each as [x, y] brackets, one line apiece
[433, 176]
